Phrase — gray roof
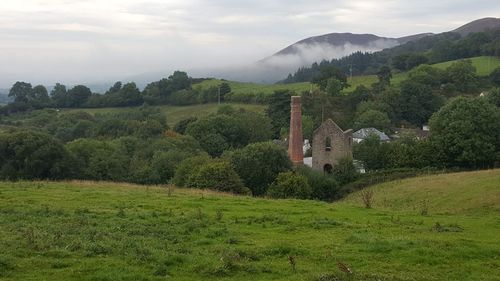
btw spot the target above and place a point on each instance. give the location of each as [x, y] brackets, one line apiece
[365, 132]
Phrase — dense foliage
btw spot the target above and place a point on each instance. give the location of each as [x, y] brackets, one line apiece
[430, 49]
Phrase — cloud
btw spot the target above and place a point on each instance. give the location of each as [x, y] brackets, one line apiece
[80, 41]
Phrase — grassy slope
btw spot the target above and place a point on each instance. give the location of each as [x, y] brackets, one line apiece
[457, 193]
[176, 113]
[241, 87]
[104, 231]
[484, 65]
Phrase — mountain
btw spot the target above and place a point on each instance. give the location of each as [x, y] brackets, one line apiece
[308, 51]
[478, 26]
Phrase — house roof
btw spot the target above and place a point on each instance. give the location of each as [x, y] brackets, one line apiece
[365, 132]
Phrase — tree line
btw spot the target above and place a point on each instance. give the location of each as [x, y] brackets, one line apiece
[428, 50]
[175, 90]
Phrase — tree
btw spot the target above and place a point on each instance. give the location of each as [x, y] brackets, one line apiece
[21, 92]
[189, 167]
[324, 186]
[372, 118]
[258, 165]
[495, 77]
[115, 88]
[33, 155]
[462, 75]
[59, 95]
[373, 153]
[417, 102]
[328, 72]
[78, 95]
[345, 171]
[290, 185]
[99, 160]
[466, 132]
[217, 175]
[217, 133]
[224, 89]
[181, 126]
[40, 96]
[279, 110]
[384, 75]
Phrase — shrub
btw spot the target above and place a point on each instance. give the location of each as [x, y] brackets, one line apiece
[258, 165]
[290, 185]
[324, 186]
[187, 168]
[217, 175]
[345, 171]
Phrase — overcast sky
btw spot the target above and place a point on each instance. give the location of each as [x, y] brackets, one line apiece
[84, 41]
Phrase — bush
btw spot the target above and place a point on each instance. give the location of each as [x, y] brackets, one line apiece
[324, 186]
[345, 171]
[290, 185]
[217, 175]
[187, 168]
[33, 155]
[258, 165]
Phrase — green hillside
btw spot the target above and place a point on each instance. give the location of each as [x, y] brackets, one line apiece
[105, 231]
[457, 193]
[484, 65]
[177, 113]
[255, 88]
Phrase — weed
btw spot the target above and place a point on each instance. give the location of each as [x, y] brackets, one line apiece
[327, 277]
[344, 267]
[292, 263]
[233, 240]
[218, 215]
[121, 213]
[29, 235]
[424, 208]
[450, 228]
[367, 197]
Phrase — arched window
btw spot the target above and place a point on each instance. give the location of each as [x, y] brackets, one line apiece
[328, 144]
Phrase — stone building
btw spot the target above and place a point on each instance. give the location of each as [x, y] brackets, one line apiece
[330, 144]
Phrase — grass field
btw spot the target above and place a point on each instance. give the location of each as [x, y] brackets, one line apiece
[484, 65]
[106, 231]
[254, 88]
[177, 113]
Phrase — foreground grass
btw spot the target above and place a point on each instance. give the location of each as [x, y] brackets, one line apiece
[104, 231]
[176, 113]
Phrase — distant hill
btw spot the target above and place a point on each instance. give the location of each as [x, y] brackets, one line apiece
[478, 26]
[4, 98]
[346, 41]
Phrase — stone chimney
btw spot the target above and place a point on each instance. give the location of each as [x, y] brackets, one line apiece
[295, 141]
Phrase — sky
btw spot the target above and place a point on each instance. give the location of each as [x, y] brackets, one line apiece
[92, 41]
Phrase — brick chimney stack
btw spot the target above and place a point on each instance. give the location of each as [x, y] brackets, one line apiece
[296, 141]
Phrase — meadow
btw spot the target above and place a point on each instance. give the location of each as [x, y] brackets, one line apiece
[484, 65]
[176, 113]
[439, 227]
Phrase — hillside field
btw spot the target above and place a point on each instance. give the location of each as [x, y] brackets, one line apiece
[112, 231]
[484, 65]
[176, 113]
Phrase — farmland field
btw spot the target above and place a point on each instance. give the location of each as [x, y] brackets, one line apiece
[177, 113]
[439, 227]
